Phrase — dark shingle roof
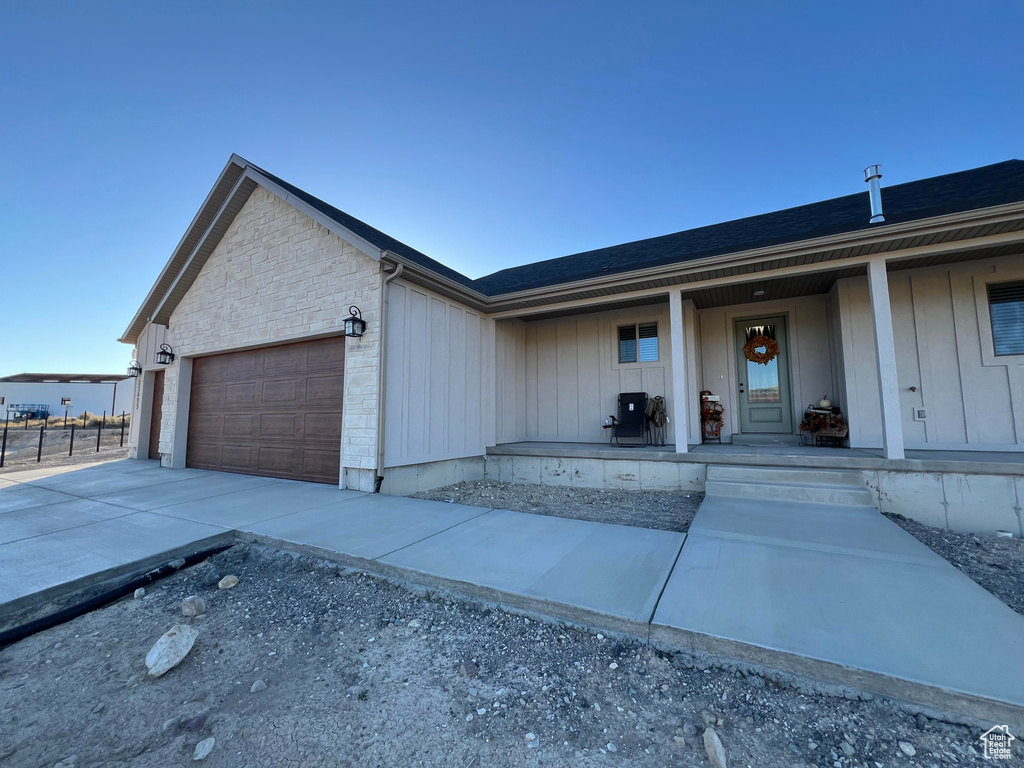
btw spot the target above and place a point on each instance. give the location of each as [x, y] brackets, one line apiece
[370, 234]
[983, 187]
[953, 193]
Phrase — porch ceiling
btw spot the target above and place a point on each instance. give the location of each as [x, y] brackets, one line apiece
[806, 284]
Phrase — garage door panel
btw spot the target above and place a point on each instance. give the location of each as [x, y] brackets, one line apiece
[239, 457]
[329, 356]
[287, 360]
[320, 463]
[207, 396]
[278, 460]
[209, 428]
[239, 425]
[274, 411]
[240, 395]
[322, 426]
[244, 365]
[279, 426]
[213, 369]
[324, 388]
[282, 391]
[204, 455]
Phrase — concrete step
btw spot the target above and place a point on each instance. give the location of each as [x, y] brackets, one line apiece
[818, 493]
[753, 440]
[780, 475]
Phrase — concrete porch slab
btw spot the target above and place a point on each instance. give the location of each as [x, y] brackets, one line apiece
[970, 462]
[851, 599]
[574, 569]
[366, 527]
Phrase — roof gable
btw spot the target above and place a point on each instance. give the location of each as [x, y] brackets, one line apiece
[975, 189]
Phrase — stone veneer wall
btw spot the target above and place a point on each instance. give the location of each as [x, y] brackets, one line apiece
[278, 275]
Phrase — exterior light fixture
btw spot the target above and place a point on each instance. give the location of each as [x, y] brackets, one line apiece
[354, 323]
[165, 355]
[134, 369]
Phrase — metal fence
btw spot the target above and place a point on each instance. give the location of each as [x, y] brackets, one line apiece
[117, 424]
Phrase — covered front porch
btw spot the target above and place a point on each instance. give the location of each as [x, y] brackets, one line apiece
[560, 372]
[901, 348]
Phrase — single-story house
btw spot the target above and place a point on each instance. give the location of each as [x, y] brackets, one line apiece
[57, 393]
[903, 306]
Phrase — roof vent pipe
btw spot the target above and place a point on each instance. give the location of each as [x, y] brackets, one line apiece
[871, 175]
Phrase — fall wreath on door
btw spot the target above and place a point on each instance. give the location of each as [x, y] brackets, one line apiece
[771, 349]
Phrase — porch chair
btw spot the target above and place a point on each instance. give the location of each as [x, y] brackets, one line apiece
[631, 422]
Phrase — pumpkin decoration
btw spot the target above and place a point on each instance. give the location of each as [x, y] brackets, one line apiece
[771, 349]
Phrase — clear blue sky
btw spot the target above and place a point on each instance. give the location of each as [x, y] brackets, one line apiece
[484, 134]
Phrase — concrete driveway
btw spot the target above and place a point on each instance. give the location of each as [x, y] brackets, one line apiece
[841, 595]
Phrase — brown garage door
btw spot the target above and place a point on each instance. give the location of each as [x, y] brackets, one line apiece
[274, 411]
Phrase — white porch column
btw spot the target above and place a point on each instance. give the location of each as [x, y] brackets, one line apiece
[885, 348]
[677, 343]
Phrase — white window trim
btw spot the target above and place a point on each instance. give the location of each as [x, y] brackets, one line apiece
[638, 321]
[989, 358]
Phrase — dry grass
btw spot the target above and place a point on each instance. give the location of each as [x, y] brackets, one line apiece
[80, 422]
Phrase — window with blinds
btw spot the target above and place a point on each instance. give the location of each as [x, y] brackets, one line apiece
[638, 343]
[1006, 307]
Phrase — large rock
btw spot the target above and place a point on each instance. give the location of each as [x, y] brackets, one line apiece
[203, 748]
[228, 582]
[193, 606]
[170, 649]
[713, 746]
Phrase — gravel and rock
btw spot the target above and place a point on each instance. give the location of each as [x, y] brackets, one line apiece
[170, 649]
[193, 606]
[542, 693]
[663, 510]
[994, 562]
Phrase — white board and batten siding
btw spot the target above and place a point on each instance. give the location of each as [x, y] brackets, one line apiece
[559, 379]
[972, 399]
[440, 378]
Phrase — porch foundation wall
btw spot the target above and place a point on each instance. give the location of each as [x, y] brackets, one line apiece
[413, 478]
[981, 502]
[956, 501]
[610, 474]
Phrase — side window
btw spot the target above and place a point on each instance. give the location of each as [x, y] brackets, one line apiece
[1006, 308]
[638, 343]
[627, 343]
[648, 342]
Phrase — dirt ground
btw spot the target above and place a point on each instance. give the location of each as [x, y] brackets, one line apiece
[995, 563]
[362, 672]
[55, 452]
[663, 510]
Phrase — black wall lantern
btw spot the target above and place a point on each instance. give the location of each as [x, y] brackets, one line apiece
[134, 369]
[354, 324]
[165, 355]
